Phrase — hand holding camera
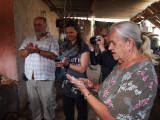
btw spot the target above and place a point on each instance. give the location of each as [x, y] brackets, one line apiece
[94, 40]
[98, 40]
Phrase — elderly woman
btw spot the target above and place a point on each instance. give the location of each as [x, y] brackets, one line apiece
[129, 91]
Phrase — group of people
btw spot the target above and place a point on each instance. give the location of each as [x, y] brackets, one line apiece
[129, 81]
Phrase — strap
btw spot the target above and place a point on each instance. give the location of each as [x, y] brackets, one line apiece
[85, 97]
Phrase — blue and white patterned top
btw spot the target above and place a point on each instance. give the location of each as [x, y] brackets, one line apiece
[129, 93]
[44, 69]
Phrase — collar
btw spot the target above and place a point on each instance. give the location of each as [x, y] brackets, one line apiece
[46, 35]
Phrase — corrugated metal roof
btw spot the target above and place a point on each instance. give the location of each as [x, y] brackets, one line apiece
[151, 13]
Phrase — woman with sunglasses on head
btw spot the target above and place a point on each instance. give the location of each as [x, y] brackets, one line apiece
[75, 62]
[105, 58]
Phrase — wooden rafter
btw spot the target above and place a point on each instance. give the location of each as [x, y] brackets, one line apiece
[91, 7]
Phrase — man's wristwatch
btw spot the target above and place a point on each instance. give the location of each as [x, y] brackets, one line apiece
[39, 51]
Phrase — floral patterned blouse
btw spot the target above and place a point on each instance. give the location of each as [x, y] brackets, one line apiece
[129, 93]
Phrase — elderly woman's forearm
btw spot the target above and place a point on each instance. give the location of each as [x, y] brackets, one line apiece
[100, 108]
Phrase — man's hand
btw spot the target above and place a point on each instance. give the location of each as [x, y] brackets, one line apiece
[31, 48]
[30, 44]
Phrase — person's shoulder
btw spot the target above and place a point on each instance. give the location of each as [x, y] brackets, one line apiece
[51, 37]
[85, 48]
[150, 65]
[86, 45]
[30, 37]
[146, 66]
[147, 63]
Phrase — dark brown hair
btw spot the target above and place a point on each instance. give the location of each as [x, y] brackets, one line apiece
[79, 38]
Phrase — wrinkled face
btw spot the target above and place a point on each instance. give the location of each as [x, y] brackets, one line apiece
[71, 33]
[117, 46]
[39, 27]
[106, 40]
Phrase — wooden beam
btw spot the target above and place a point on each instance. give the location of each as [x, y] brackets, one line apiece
[72, 11]
[151, 16]
[92, 5]
[49, 3]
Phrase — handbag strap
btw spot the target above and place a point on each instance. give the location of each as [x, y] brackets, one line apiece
[65, 71]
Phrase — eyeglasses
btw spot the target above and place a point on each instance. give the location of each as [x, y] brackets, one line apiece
[104, 36]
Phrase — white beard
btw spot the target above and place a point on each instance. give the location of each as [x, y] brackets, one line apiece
[39, 34]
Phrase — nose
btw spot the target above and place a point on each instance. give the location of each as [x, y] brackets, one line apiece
[68, 35]
[110, 46]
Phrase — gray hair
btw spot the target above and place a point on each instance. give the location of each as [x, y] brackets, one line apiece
[128, 29]
[44, 19]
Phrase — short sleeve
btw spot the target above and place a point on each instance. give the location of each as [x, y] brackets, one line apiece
[54, 46]
[85, 48]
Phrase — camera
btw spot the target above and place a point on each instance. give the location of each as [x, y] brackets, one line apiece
[93, 40]
[24, 77]
[57, 60]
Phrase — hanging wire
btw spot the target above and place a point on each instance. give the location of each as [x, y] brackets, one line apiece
[69, 12]
[66, 6]
[64, 14]
[69, 8]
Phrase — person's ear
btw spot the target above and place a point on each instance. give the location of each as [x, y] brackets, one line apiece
[46, 26]
[130, 43]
